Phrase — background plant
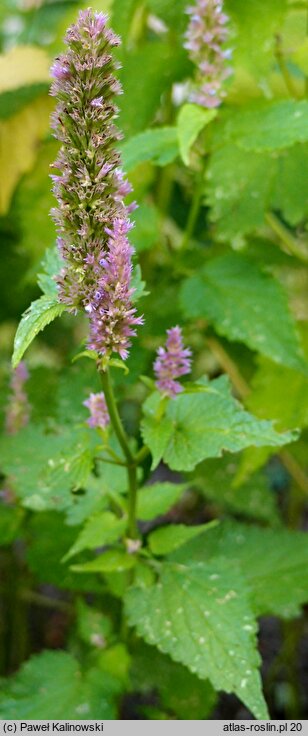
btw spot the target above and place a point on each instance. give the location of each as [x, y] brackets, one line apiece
[221, 242]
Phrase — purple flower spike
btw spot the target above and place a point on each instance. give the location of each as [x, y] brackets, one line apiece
[205, 39]
[172, 362]
[97, 406]
[18, 409]
[114, 319]
[91, 216]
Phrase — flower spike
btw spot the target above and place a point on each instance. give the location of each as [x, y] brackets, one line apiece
[91, 217]
[172, 362]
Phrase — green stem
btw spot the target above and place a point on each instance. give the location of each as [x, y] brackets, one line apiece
[291, 245]
[141, 455]
[194, 210]
[115, 417]
[130, 460]
[132, 502]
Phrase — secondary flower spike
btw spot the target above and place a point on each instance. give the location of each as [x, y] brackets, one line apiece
[18, 409]
[171, 362]
[97, 406]
[205, 38]
[91, 217]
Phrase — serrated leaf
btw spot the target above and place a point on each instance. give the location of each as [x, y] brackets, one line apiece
[158, 145]
[52, 686]
[40, 313]
[277, 578]
[200, 615]
[198, 426]
[100, 529]
[164, 540]
[157, 499]
[268, 127]
[259, 316]
[113, 560]
[191, 120]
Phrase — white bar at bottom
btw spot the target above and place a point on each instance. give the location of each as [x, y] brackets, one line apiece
[154, 728]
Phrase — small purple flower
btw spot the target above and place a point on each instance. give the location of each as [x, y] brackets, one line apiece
[91, 216]
[205, 38]
[114, 319]
[172, 362]
[97, 406]
[18, 408]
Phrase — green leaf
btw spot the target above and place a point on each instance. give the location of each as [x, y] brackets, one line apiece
[138, 284]
[253, 499]
[100, 529]
[238, 203]
[45, 478]
[11, 518]
[40, 313]
[13, 100]
[146, 232]
[197, 426]
[32, 204]
[51, 265]
[93, 626]
[289, 188]
[200, 616]
[158, 145]
[272, 382]
[157, 499]
[51, 686]
[171, 12]
[121, 17]
[256, 23]
[191, 120]
[277, 578]
[268, 127]
[111, 561]
[168, 538]
[259, 316]
[48, 538]
[263, 181]
[157, 64]
[181, 691]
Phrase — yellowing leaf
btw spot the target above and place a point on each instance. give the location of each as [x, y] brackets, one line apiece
[23, 65]
[19, 136]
